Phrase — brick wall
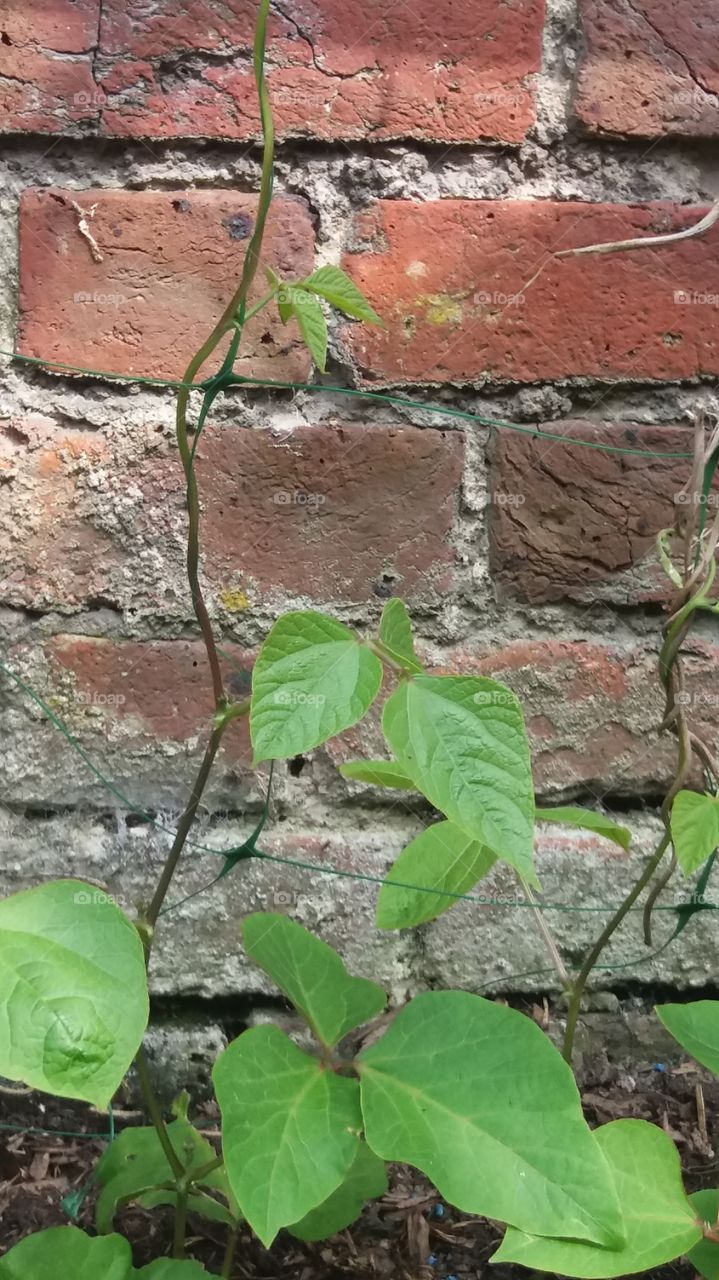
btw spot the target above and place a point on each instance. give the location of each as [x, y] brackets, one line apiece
[441, 152]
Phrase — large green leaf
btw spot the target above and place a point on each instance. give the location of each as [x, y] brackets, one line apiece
[395, 634]
[312, 975]
[290, 1128]
[658, 1218]
[463, 742]
[588, 820]
[436, 866]
[312, 679]
[73, 991]
[378, 773]
[66, 1253]
[171, 1269]
[696, 1027]
[476, 1096]
[366, 1180]
[704, 1257]
[134, 1165]
[695, 828]
[332, 284]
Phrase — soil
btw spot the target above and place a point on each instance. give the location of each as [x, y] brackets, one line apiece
[410, 1233]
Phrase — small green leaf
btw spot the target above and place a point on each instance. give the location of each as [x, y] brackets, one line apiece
[290, 1128]
[588, 820]
[73, 991]
[63, 1253]
[462, 740]
[312, 976]
[440, 863]
[366, 1180]
[312, 679]
[704, 1257]
[658, 1218]
[171, 1269]
[312, 324]
[476, 1096]
[336, 287]
[695, 828]
[696, 1027]
[134, 1165]
[395, 634]
[378, 773]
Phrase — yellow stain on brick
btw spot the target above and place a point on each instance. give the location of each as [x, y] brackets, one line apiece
[234, 599]
[442, 308]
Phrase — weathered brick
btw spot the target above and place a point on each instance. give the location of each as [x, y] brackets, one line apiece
[46, 55]
[593, 710]
[170, 261]
[345, 513]
[578, 522]
[340, 70]
[649, 68]
[459, 287]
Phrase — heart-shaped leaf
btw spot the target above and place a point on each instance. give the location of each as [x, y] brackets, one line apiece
[62, 1253]
[463, 742]
[366, 1180]
[437, 867]
[312, 976]
[312, 679]
[696, 1027]
[395, 635]
[476, 1096]
[704, 1257]
[290, 1128]
[659, 1221]
[695, 828]
[73, 990]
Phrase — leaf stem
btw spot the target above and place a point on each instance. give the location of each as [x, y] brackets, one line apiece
[183, 1194]
[232, 1233]
[155, 1113]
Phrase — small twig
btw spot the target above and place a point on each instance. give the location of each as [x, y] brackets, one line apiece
[83, 228]
[551, 945]
[647, 242]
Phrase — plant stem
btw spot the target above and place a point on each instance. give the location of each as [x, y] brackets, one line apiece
[580, 982]
[543, 927]
[229, 1257]
[183, 1193]
[155, 1113]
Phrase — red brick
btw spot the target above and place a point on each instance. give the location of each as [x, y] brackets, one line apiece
[444, 274]
[340, 70]
[161, 686]
[46, 54]
[170, 261]
[593, 710]
[331, 513]
[650, 68]
[567, 519]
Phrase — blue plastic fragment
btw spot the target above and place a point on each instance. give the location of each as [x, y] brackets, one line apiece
[439, 1211]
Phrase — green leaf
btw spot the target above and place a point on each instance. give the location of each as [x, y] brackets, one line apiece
[378, 773]
[588, 820]
[312, 679]
[312, 324]
[171, 1269]
[440, 863]
[658, 1218]
[366, 1180]
[462, 740]
[73, 991]
[704, 1257]
[696, 1027]
[395, 635]
[336, 287]
[476, 1096]
[134, 1165]
[312, 976]
[290, 1128]
[695, 828]
[66, 1252]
